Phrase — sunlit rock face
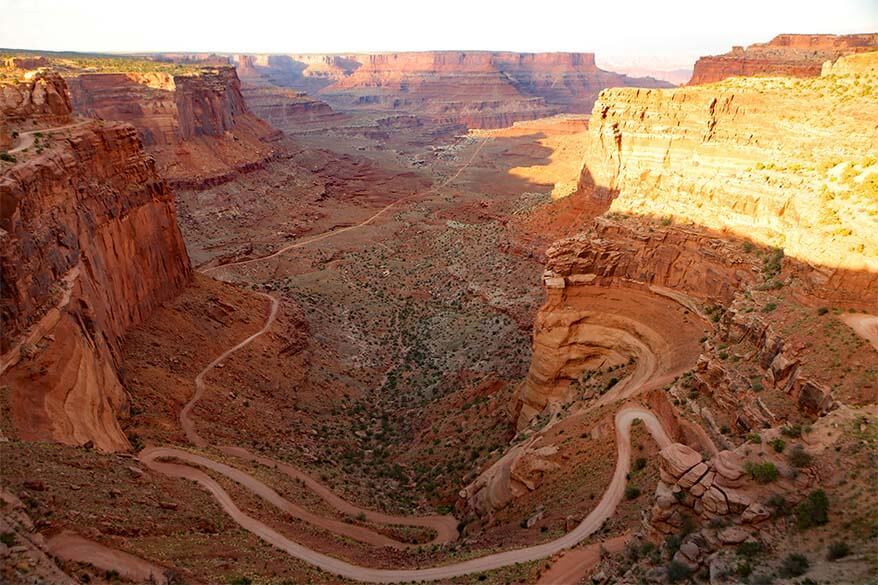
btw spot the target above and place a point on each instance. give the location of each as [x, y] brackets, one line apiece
[197, 126]
[784, 55]
[784, 162]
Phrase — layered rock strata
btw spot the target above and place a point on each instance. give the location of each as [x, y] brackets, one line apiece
[478, 89]
[90, 247]
[198, 127]
[787, 55]
[782, 162]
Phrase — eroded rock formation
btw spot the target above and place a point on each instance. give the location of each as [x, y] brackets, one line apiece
[782, 162]
[197, 126]
[787, 55]
[90, 247]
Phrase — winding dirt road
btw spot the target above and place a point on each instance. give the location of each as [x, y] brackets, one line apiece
[26, 139]
[154, 458]
[864, 325]
[362, 224]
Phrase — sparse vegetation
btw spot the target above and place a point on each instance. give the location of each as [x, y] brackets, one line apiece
[794, 565]
[838, 550]
[678, 572]
[762, 472]
[813, 511]
[632, 492]
[798, 457]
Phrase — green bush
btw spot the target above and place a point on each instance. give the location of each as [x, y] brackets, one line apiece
[838, 550]
[8, 538]
[749, 549]
[240, 581]
[813, 511]
[798, 457]
[639, 463]
[778, 444]
[822, 310]
[764, 472]
[677, 572]
[632, 492]
[5, 156]
[794, 565]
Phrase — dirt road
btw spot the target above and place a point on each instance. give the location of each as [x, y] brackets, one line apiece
[26, 139]
[362, 224]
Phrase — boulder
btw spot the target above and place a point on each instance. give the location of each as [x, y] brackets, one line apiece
[679, 458]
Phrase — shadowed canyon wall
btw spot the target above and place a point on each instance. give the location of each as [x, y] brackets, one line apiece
[784, 55]
[90, 247]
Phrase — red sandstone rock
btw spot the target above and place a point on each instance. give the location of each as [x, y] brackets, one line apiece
[197, 126]
[90, 247]
[788, 55]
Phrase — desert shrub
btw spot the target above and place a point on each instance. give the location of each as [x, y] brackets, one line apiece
[794, 565]
[778, 503]
[632, 492]
[639, 463]
[8, 538]
[5, 156]
[792, 431]
[822, 311]
[754, 438]
[778, 444]
[813, 511]
[743, 570]
[749, 548]
[838, 550]
[677, 572]
[240, 581]
[764, 472]
[798, 457]
[769, 307]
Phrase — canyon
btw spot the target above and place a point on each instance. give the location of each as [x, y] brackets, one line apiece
[441, 316]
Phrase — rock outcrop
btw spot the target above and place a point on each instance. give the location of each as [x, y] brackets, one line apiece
[197, 126]
[788, 163]
[40, 98]
[623, 292]
[786, 55]
[90, 247]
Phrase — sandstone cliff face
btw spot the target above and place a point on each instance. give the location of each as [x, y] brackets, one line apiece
[286, 109]
[39, 98]
[198, 127]
[623, 292]
[479, 89]
[784, 55]
[90, 247]
[782, 162]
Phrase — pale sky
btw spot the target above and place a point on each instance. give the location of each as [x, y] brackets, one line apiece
[679, 30]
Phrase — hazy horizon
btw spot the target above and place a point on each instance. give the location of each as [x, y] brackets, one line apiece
[626, 32]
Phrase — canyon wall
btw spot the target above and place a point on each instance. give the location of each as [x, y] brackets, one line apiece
[197, 126]
[784, 55]
[90, 247]
[286, 109]
[479, 89]
[789, 163]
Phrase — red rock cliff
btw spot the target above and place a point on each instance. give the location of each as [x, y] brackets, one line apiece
[198, 127]
[90, 247]
[477, 88]
[783, 162]
[787, 55]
